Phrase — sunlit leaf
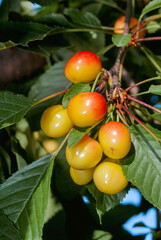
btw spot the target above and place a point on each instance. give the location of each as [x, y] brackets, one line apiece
[145, 170]
[120, 39]
[152, 5]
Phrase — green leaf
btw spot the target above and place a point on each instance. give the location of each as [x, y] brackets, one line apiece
[105, 202]
[120, 39]
[62, 179]
[153, 27]
[156, 116]
[52, 81]
[154, 89]
[21, 33]
[75, 136]
[7, 44]
[110, 3]
[24, 197]
[7, 229]
[101, 235]
[105, 49]
[152, 5]
[13, 108]
[74, 90]
[83, 18]
[16, 149]
[145, 170]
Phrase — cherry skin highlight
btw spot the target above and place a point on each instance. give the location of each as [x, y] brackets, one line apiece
[109, 178]
[120, 23]
[85, 154]
[55, 121]
[83, 67]
[86, 109]
[115, 139]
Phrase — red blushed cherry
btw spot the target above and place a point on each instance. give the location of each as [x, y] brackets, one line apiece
[120, 23]
[115, 139]
[83, 67]
[87, 108]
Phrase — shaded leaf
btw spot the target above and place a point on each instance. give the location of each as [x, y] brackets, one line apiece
[153, 27]
[110, 3]
[105, 49]
[83, 18]
[52, 81]
[120, 39]
[154, 89]
[7, 229]
[105, 202]
[74, 90]
[74, 137]
[21, 33]
[152, 5]
[13, 108]
[62, 179]
[145, 170]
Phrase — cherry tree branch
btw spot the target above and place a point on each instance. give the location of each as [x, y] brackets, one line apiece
[115, 69]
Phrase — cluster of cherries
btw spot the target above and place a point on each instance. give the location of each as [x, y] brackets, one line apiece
[89, 158]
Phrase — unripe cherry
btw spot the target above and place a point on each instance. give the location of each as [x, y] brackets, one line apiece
[55, 121]
[81, 176]
[109, 178]
[120, 24]
[115, 139]
[85, 154]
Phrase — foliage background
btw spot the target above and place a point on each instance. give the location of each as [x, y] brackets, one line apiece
[35, 46]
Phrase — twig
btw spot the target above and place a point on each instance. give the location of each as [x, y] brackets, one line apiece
[116, 67]
[147, 39]
[142, 82]
[140, 122]
[143, 104]
[50, 96]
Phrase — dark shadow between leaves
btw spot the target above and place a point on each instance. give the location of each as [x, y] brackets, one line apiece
[129, 157]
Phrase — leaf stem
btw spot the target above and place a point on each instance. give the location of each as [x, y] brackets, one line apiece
[143, 104]
[153, 61]
[147, 39]
[140, 122]
[62, 143]
[142, 82]
[95, 81]
[50, 96]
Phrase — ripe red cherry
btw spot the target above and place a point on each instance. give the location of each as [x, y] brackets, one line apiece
[87, 108]
[120, 23]
[82, 67]
[115, 139]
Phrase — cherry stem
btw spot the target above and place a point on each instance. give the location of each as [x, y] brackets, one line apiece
[96, 80]
[147, 39]
[143, 104]
[140, 28]
[144, 81]
[50, 96]
[140, 122]
[63, 142]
